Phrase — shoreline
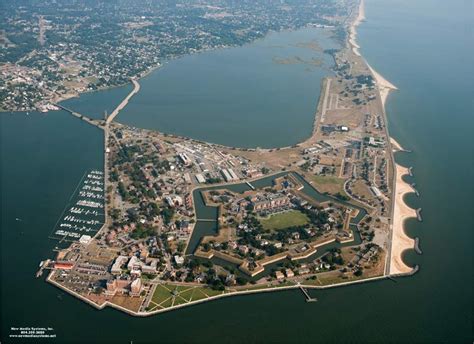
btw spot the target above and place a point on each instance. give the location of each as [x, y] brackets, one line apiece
[383, 84]
[396, 145]
[216, 297]
[153, 68]
[352, 30]
[400, 240]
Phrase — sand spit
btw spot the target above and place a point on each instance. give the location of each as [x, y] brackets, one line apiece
[401, 241]
[396, 145]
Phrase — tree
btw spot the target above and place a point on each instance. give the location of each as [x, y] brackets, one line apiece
[167, 214]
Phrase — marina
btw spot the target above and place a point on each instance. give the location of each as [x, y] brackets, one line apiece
[84, 215]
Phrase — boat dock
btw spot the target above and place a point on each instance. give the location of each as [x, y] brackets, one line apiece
[84, 214]
[42, 266]
[308, 297]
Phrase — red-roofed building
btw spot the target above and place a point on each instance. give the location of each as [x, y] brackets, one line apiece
[63, 265]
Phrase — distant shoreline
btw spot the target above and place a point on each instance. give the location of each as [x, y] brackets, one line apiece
[153, 68]
[399, 242]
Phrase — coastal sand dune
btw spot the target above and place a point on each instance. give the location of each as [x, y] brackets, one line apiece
[401, 241]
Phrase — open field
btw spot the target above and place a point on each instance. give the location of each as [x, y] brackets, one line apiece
[329, 184]
[284, 220]
[161, 294]
[167, 295]
[132, 303]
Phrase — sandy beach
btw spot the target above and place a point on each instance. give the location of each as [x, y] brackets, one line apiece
[396, 145]
[383, 84]
[401, 241]
[352, 30]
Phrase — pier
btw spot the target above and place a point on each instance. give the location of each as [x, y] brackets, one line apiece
[410, 171]
[43, 265]
[415, 190]
[306, 294]
[418, 214]
[250, 185]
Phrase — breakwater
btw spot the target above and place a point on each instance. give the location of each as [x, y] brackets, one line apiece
[418, 215]
[417, 246]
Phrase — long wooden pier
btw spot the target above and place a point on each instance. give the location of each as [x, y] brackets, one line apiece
[308, 297]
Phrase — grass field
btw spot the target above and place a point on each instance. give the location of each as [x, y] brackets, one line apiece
[167, 295]
[187, 294]
[161, 294]
[284, 220]
[329, 184]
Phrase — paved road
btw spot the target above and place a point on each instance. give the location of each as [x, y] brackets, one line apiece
[124, 102]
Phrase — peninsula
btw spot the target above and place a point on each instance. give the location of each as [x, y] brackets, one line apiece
[187, 221]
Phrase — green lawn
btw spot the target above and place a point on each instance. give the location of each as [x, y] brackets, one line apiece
[201, 292]
[284, 220]
[161, 294]
[179, 300]
[179, 288]
[187, 293]
[198, 295]
[167, 303]
[164, 297]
